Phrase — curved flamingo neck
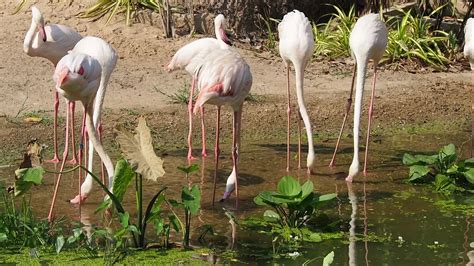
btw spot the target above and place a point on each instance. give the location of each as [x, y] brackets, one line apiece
[27, 44]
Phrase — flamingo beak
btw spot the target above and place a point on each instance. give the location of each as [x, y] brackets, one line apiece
[63, 77]
[42, 33]
[225, 38]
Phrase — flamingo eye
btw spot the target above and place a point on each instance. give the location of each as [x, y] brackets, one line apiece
[81, 71]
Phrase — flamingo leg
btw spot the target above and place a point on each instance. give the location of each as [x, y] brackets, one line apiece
[72, 107]
[217, 152]
[81, 152]
[100, 131]
[235, 151]
[472, 116]
[288, 111]
[299, 140]
[203, 132]
[55, 128]
[65, 154]
[371, 112]
[348, 108]
[190, 117]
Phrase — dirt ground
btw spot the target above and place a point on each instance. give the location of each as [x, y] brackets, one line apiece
[406, 100]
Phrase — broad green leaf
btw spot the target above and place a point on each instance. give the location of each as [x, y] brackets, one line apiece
[327, 197]
[427, 159]
[328, 259]
[448, 150]
[444, 183]
[307, 188]
[123, 176]
[139, 152]
[288, 186]
[418, 171]
[271, 216]
[175, 203]
[174, 222]
[190, 169]
[469, 162]
[191, 199]
[26, 178]
[124, 219]
[469, 174]
[409, 159]
[312, 237]
[59, 243]
[3, 237]
[159, 225]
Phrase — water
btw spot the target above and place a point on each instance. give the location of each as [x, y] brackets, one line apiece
[385, 221]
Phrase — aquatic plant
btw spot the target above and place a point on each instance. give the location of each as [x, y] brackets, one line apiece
[294, 204]
[443, 170]
[190, 202]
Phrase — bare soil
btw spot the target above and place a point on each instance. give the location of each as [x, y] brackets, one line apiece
[406, 101]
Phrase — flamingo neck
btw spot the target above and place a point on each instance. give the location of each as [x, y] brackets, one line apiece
[299, 77]
[27, 44]
[360, 81]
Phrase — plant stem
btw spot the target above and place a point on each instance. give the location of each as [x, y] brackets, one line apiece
[139, 201]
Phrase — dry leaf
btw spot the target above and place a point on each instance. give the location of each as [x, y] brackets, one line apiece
[139, 152]
[33, 119]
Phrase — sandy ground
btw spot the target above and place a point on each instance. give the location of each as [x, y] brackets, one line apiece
[421, 98]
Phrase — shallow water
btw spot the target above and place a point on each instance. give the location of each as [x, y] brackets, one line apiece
[402, 222]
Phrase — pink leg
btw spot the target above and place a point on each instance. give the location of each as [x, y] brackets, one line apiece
[100, 130]
[299, 140]
[55, 128]
[217, 152]
[81, 152]
[371, 112]
[472, 116]
[72, 107]
[348, 108]
[203, 132]
[190, 117]
[65, 154]
[235, 151]
[288, 111]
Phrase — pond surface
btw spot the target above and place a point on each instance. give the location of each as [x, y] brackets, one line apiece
[385, 221]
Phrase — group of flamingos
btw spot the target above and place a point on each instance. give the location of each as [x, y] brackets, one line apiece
[83, 66]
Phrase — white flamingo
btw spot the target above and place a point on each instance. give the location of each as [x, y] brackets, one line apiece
[78, 78]
[368, 41]
[296, 47]
[52, 42]
[105, 54]
[189, 57]
[224, 78]
[469, 54]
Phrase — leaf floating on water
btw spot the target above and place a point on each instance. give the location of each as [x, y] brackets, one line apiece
[328, 259]
[139, 152]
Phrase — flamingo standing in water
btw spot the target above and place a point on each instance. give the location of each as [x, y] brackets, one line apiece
[189, 57]
[469, 54]
[52, 42]
[368, 41]
[296, 47]
[105, 54]
[78, 78]
[224, 78]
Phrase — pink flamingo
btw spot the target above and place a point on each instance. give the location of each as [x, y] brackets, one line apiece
[224, 78]
[189, 57]
[105, 54]
[78, 78]
[368, 40]
[297, 46]
[51, 42]
[469, 54]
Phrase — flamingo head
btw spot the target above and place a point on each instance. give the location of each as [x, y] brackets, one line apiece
[220, 26]
[39, 22]
[77, 73]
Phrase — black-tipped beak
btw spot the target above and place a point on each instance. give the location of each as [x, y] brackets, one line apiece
[225, 38]
[42, 33]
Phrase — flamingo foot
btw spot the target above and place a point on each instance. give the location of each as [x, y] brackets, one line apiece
[310, 171]
[204, 153]
[55, 159]
[79, 199]
[225, 196]
[332, 164]
[365, 172]
[73, 161]
[190, 157]
[50, 218]
[349, 179]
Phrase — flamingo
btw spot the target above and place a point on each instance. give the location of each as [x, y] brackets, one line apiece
[52, 42]
[469, 54]
[189, 57]
[368, 41]
[105, 54]
[78, 77]
[296, 47]
[224, 78]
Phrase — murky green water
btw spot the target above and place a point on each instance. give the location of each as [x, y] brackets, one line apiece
[385, 221]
